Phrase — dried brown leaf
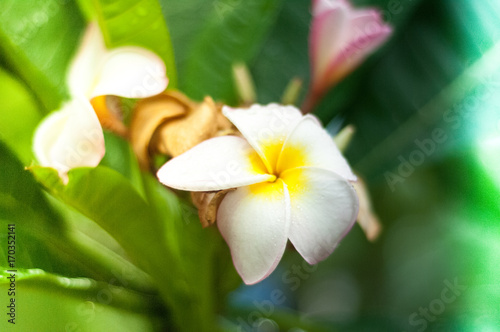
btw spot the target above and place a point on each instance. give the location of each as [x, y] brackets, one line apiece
[208, 204]
[149, 114]
[177, 136]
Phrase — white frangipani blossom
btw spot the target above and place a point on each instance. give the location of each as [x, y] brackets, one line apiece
[292, 183]
[72, 136]
[129, 71]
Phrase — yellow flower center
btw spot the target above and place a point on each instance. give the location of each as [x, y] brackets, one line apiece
[279, 160]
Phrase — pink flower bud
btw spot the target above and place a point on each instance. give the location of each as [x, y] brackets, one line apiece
[341, 38]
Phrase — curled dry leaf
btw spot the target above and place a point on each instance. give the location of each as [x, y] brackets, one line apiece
[149, 114]
[207, 204]
[171, 123]
[179, 135]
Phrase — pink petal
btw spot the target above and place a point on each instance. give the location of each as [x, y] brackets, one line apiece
[254, 221]
[324, 208]
[310, 145]
[367, 33]
[215, 164]
[327, 37]
[341, 38]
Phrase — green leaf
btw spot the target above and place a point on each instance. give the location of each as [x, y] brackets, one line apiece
[43, 239]
[186, 19]
[141, 23]
[108, 198]
[37, 40]
[205, 271]
[19, 117]
[47, 302]
[234, 32]
[22, 201]
[121, 158]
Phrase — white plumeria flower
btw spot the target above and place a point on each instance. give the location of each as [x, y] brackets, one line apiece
[95, 72]
[291, 180]
[70, 137]
[130, 71]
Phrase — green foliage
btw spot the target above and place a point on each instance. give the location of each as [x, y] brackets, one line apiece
[109, 199]
[120, 157]
[19, 116]
[37, 40]
[141, 23]
[47, 302]
[233, 32]
[22, 199]
[43, 237]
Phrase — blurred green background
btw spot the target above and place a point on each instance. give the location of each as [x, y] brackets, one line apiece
[436, 264]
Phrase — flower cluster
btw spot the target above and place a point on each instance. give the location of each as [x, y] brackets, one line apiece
[264, 174]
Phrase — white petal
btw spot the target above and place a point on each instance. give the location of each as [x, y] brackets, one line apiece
[130, 72]
[310, 145]
[265, 128]
[215, 164]
[254, 221]
[71, 137]
[324, 208]
[87, 60]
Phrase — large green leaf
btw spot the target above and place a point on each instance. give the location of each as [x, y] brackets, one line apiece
[120, 157]
[108, 198]
[47, 302]
[208, 271]
[43, 238]
[184, 241]
[234, 32]
[186, 20]
[141, 23]
[37, 39]
[19, 116]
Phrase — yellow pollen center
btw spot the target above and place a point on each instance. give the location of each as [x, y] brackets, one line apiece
[277, 160]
